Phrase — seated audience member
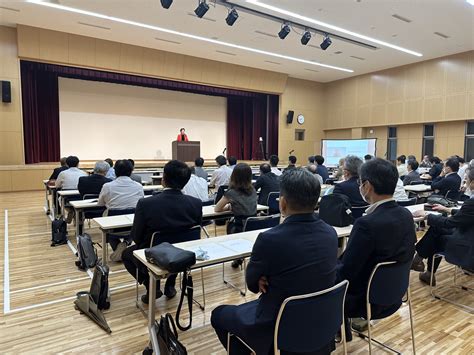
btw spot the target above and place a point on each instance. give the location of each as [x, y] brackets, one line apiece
[400, 193]
[340, 170]
[436, 168]
[135, 177]
[412, 175]
[267, 182]
[111, 172]
[221, 175]
[322, 170]
[232, 162]
[462, 167]
[168, 212]
[57, 171]
[198, 168]
[425, 163]
[311, 160]
[313, 169]
[350, 186]
[454, 234]
[448, 180]
[92, 184]
[240, 198]
[69, 178]
[292, 162]
[196, 187]
[281, 262]
[411, 157]
[274, 164]
[385, 233]
[367, 157]
[402, 166]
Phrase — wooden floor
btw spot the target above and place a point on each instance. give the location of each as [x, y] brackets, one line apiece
[40, 283]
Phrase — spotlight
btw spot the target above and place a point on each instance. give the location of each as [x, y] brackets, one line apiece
[306, 37]
[325, 43]
[201, 9]
[285, 29]
[166, 3]
[232, 17]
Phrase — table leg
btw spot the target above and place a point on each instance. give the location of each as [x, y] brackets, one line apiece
[151, 313]
[48, 210]
[104, 247]
[78, 213]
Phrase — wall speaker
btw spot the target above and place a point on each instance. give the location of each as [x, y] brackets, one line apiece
[289, 117]
[6, 91]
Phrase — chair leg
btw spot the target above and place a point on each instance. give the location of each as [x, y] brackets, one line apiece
[369, 315]
[412, 326]
[343, 335]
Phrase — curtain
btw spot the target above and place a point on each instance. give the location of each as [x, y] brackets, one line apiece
[273, 114]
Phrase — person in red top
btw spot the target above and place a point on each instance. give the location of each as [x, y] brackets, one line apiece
[182, 137]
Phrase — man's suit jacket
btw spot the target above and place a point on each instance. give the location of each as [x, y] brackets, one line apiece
[350, 188]
[267, 183]
[443, 184]
[91, 184]
[411, 176]
[57, 171]
[386, 234]
[323, 172]
[169, 211]
[435, 170]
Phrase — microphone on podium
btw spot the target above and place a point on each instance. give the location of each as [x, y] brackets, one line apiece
[291, 152]
[223, 152]
[260, 139]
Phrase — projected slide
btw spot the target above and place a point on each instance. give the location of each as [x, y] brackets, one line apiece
[335, 149]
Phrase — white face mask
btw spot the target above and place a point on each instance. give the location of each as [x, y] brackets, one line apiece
[364, 197]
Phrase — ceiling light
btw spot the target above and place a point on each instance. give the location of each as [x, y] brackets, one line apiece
[166, 3]
[182, 34]
[201, 9]
[325, 43]
[285, 30]
[332, 27]
[470, 2]
[306, 37]
[232, 17]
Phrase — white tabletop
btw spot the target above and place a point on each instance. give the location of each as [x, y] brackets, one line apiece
[68, 192]
[419, 207]
[418, 188]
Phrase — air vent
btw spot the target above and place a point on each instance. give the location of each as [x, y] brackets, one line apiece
[401, 18]
[442, 35]
[313, 70]
[266, 34]
[215, 38]
[270, 62]
[9, 9]
[95, 26]
[358, 58]
[226, 53]
[313, 46]
[202, 18]
[338, 52]
[167, 40]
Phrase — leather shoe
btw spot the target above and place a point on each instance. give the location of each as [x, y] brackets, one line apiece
[418, 264]
[146, 296]
[425, 277]
[170, 291]
[236, 263]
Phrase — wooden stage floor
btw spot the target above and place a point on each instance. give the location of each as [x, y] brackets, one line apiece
[39, 284]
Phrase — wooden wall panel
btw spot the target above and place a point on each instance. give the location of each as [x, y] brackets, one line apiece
[107, 53]
[82, 50]
[338, 134]
[54, 46]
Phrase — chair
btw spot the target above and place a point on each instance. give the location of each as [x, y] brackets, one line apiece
[408, 202]
[272, 203]
[121, 232]
[304, 334]
[220, 193]
[453, 195]
[417, 182]
[388, 284]
[207, 223]
[92, 213]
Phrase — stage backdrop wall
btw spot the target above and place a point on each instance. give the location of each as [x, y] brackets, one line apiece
[100, 120]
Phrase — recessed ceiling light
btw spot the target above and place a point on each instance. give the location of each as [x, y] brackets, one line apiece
[332, 27]
[401, 18]
[92, 25]
[182, 34]
[226, 53]
[167, 40]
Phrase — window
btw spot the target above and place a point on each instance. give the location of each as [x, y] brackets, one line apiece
[392, 144]
[469, 142]
[428, 140]
[299, 134]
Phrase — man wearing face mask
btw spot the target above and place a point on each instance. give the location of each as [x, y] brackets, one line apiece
[454, 234]
[385, 233]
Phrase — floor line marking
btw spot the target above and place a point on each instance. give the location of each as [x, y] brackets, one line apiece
[6, 270]
[51, 284]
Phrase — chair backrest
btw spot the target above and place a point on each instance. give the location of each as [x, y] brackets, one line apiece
[187, 235]
[272, 203]
[408, 202]
[261, 222]
[220, 192]
[453, 195]
[119, 212]
[308, 322]
[89, 196]
[417, 182]
[388, 282]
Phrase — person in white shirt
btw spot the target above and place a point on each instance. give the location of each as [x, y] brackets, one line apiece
[402, 166]
[196, 187]
[111, 173]
[400, 194]
[273, 163]
[68, 179]
[462, 168]
[221, 175]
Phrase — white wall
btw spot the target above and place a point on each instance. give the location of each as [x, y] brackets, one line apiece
[100, 120]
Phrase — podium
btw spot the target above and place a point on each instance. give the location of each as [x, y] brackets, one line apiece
[186, 151]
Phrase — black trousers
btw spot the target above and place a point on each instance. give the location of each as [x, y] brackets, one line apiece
[132, 264]
[434, 241]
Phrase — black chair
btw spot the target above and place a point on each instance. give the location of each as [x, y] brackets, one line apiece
[272, 203]
[220, 193]
[308, 322]
[453, 195]
[261, 222]
[417, 182]
[408, 202]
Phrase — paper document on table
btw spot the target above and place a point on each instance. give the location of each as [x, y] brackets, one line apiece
[239, 245]
[213, 250]
[130, 218]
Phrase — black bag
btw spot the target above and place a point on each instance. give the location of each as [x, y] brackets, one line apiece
[335, 210]
[170, 258]
[58, 232]
[168, 337]
[99, 290]
[86, 252]
[440, 200]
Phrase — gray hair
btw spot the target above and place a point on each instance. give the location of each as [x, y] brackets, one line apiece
[471, 164]
[101, 167]
[470, 174]
[352, 164]
[300, 188]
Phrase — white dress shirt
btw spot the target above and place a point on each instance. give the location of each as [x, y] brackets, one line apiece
[276, 171]
[373, 206]
[111, 174]
[122, 193]
[196, 187]
[400, 193]
[68, 179]
[462, 172]
[220, 176]
[402, 170]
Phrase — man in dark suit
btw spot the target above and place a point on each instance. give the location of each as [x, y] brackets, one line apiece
[454, 234]
[92, 184]
[349, 186]
[448, 180]
[57, 171]
[267, 182]
[168, 212]
[385, 233]
[412, 175]
[294, 258]
[291, 162]
[321, 169]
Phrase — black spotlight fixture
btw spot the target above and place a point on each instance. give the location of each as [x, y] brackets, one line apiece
[325, 43]
[232, 17]
[305, 38]
[201, 9]
[166, 3]
[285, 30]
